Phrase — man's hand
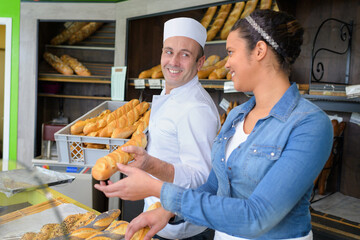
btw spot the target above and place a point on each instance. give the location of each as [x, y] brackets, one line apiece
[155, 220]
[142, 158]
[160, 169]
[137, 185]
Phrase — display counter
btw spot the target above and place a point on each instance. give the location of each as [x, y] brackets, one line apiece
[29, 210]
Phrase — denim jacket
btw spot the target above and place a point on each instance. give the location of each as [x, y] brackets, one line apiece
[263, 190]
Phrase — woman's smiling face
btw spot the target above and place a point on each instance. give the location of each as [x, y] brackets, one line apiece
[239, 62]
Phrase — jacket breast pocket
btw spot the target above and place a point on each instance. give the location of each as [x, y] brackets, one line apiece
[259, 160]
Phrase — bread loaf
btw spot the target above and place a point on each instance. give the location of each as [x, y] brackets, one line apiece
[205, 72]
[98, 224]
[233, 17]
[208, 16]
[219, 73]
[66, 34]
[123, 132]
[105, 167]
[92, 126]
[75, 65]
[265, 4]
[228, 76]
[147, 73]
[85, 32]
[125, 120]
[57, 64]
[211, 60]
[219, 21]
[249, 8]
[120, 111]
[157, 74]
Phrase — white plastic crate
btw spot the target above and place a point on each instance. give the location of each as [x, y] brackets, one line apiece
[70, 148]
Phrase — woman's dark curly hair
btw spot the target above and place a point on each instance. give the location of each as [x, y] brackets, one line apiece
[284, 29]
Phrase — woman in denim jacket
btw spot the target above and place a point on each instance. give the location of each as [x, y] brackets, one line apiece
[267, 154]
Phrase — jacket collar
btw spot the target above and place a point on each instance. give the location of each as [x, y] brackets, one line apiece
[282, 108]
[182, 88]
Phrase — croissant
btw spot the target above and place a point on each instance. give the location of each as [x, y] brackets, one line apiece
[105, 167]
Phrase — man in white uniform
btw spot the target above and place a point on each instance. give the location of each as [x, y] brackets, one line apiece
[184, 121]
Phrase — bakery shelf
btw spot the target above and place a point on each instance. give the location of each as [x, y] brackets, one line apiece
[206, 83]
[73, 80]
[104, 48]
[73, 96]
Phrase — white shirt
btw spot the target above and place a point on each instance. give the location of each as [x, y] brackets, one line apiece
[239, 137]
[183, 125]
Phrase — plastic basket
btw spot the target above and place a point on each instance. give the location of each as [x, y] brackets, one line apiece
[71, 149]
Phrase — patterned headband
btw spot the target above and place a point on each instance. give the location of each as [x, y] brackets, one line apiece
[261, 31]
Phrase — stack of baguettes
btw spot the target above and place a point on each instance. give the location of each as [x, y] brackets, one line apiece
[88, 226]
[129, 120]
[219, 21]
[123, 122]
[66, 64]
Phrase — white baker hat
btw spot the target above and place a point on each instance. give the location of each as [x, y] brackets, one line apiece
[185, 27]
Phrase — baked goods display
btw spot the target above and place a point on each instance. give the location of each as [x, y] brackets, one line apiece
[88, 226]
[75, 65]
[231, 20]
[85, 32]
[57, 64]
[76, 32]
[105, 167]
[66, 64]
[225, 114]
[216, 69]
[154, 72]
[67, 33]
[125, 122]
[219, 20]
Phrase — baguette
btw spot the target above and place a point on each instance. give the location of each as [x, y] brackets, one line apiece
[208, 16]
[66, 34]
[228, 76]
[249, 8]
[117, 113]
[56, 63]
[219, 21]
[98, 224]
[92, 126]
[157, 74]
[84, 32]
[105, 167]
[265, 4]
[147, 73]
[205, 72]
[233, 17]
[219, 73]
[125, 120]
[123, 132]
[75, 65]
[211, 60]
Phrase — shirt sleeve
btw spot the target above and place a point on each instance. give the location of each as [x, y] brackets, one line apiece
[196, 132]
[277, 193]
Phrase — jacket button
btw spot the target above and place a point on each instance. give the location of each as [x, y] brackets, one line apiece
[272, 154]
[222, 159]
[254, 150]
[225, 138]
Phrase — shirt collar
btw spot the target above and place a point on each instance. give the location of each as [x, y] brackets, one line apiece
[282, 108]
[179, 89]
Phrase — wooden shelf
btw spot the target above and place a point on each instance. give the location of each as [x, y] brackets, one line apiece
[73, 96]
[74, 80]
